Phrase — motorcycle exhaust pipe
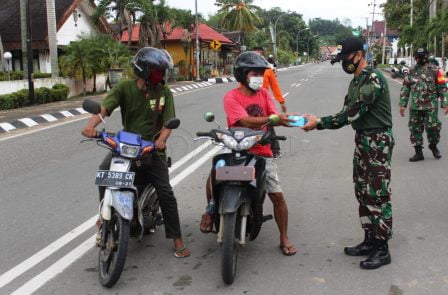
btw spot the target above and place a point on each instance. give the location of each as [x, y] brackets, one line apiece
[221, 228]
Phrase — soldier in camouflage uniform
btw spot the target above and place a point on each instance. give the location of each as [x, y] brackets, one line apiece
[423, 86]
[367, 109]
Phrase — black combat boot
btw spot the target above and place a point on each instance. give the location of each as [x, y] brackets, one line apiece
[378, 257]
[362, 249]
[435, 150]
[418, 154]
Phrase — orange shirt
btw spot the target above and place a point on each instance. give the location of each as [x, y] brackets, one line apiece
[269, 79]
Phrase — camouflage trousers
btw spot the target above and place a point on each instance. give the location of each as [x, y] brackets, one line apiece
[421, 120]
[371, 176]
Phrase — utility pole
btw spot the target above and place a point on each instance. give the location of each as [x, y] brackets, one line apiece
[30, 55]
[384, 42]
[412, 22]
[433, 13]
[197, 42]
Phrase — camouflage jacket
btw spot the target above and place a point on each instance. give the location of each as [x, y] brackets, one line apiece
[367, 104]
[424, 86]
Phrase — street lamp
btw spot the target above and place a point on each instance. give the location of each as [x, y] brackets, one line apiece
[8, 56]
[297, 38]
[308, 44]
[275, 34]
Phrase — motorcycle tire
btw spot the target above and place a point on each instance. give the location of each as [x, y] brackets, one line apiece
[229, 248]
[112, 258]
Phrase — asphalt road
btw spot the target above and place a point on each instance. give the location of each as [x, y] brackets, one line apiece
[47, 192]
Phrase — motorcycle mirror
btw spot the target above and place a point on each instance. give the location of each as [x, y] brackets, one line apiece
[91, 106]
[172, 123]
[209, 117]
[274, 119]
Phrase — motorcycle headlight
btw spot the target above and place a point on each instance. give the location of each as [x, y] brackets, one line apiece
[228, 140]
[129, 151]
[249, 142]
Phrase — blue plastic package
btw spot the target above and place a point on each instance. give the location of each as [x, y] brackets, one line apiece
[300, 121]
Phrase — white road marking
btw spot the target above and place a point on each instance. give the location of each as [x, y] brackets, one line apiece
[81, 110]
[45, 252]
[7, 126]
[195, 86]
[200, 85]
[189, 156]
[49, 117]
[298, 85]
[189, 87]
[67, 114]
[293, 84]
[286, 94]
[184, 88]
[28, 122]
[179, 89]
[173, 91]
[38, 281]
[58, 267]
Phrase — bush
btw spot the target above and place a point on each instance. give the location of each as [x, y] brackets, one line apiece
[22, 97]
[59, 92]
[180, 78]
[8, 101]
[41, 75]
[15, 75]
[42, 95]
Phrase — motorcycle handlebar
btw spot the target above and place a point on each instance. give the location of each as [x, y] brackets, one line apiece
[201, 134]
[279, 138]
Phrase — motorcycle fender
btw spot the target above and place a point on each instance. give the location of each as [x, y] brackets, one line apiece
[231, 199]
[123, 201]
[106, 211]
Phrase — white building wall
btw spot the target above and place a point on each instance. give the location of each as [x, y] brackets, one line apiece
[75, 85]
[70, 31]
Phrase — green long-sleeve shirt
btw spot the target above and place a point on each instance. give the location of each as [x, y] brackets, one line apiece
[366, 105]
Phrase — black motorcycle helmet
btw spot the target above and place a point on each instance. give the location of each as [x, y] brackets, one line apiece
[149, 58]
[248, 61]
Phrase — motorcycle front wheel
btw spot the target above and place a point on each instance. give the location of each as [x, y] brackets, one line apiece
[229, 248]
[112, 255]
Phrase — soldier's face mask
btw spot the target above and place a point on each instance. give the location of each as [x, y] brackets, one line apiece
[421, 60]
[155, 77]
[350, 66]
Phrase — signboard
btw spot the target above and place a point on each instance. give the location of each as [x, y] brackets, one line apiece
[296, 53]
[356, 33]
[215, 44]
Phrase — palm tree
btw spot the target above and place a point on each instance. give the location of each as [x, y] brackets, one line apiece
[238, 15]
[123, 11]
[76, 60]
[52, 42]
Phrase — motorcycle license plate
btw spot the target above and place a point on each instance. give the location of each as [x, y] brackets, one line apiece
[235, 173]
[114, 178]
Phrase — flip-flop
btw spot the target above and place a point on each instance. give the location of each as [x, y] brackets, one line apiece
[181, 252]
[206, 224]
[288, 250]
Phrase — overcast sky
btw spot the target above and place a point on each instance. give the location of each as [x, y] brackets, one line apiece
[355, 10]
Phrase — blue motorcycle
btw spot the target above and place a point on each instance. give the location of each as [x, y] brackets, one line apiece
[127, 209]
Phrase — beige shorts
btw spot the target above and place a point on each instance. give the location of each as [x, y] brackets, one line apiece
[272, 179]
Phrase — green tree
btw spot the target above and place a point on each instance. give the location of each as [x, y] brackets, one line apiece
[76, 61]
[122, 11]
[238, 15]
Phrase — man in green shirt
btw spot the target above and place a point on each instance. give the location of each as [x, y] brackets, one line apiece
[146, 103]
[367, 109]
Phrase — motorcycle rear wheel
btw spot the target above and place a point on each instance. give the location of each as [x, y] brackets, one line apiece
[229, 248]
[112, 258]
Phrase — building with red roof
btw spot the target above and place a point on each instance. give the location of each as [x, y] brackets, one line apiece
[181, 45]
